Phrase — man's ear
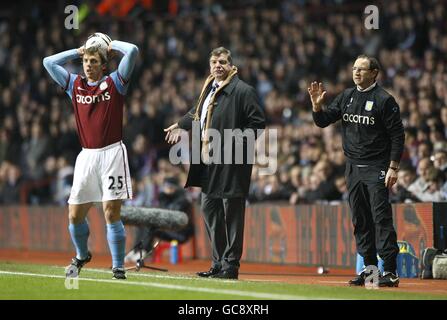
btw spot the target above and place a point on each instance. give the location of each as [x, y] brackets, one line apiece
[377, 74]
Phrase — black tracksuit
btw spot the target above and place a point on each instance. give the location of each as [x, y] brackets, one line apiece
[373, 136]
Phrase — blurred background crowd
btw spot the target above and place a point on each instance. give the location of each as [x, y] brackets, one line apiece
[279, 48]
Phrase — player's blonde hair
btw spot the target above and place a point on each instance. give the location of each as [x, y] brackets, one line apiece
[93, 50]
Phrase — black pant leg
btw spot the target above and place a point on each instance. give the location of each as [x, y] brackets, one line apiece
[214, 217]
[234, 219]
[362, 220]
[386, 237]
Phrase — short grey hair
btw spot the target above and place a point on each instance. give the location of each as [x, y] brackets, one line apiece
[222, 50]
[373, 62]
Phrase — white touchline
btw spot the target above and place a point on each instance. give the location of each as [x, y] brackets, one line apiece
[259, 295]
[335, 282]
[147, 275]
[175, 277]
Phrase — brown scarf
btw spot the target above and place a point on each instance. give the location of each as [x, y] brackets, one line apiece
[205, 140]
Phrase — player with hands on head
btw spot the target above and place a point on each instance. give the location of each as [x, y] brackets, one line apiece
[101, 171]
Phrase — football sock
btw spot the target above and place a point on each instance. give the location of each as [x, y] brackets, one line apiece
[79, 235]
[116, 236]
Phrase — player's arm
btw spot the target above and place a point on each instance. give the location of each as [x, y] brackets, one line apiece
[54, 66]
[323, 118]
[395, 130]
[254, 115]
[121, 77]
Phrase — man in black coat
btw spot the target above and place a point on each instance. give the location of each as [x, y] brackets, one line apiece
[222, 166]
[373, 143]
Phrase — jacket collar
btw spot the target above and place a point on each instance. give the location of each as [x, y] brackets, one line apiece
[230, 87]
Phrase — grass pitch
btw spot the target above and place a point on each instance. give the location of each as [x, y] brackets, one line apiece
[42, 282]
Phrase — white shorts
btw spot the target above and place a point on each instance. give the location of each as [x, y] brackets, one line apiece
[101, 175]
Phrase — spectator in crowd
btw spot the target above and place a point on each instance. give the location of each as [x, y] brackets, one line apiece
[340, 183]
[420, 185]
[434, 183]
[440, 161]
[11, 176]
[399, 192]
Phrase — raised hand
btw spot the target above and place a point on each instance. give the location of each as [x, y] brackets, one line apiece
[316, 93]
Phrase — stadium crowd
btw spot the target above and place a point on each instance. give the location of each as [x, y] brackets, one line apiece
[279, 48]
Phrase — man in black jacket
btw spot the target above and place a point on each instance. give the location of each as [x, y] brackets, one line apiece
[226, 103]
[373, 142]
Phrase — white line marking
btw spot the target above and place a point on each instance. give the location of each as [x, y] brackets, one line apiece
[336, 282]
[163, 275]
[258, 295]
[156, 274]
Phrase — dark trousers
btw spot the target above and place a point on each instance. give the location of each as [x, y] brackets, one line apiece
[224, 223]
[372, 215]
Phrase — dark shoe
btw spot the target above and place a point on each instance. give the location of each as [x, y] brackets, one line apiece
[74, 269]
[119, 273]
[389, 279]
[211, 272]
[226, 274]
[359, 280]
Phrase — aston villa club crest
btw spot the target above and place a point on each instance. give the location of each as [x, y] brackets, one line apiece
[369, 105]
[103, 85]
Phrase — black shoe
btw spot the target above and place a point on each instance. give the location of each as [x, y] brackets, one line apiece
[119, 273]
[389, 279]
[211, 272]
[227, 274]
[74, 269]
[359, 280]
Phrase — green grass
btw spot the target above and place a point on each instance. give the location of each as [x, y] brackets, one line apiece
[48, 282]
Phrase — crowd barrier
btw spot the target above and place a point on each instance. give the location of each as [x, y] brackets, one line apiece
[307, 235]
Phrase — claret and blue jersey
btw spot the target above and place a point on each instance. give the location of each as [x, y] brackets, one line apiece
[98, 106]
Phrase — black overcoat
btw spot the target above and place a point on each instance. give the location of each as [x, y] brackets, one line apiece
[237, 107]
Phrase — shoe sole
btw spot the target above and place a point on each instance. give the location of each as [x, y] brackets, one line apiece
[393, 285]
[356, 285]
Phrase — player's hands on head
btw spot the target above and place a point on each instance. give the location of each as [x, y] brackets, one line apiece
[110, 52]
[81, 51]
[316, 93]
[172, 133]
